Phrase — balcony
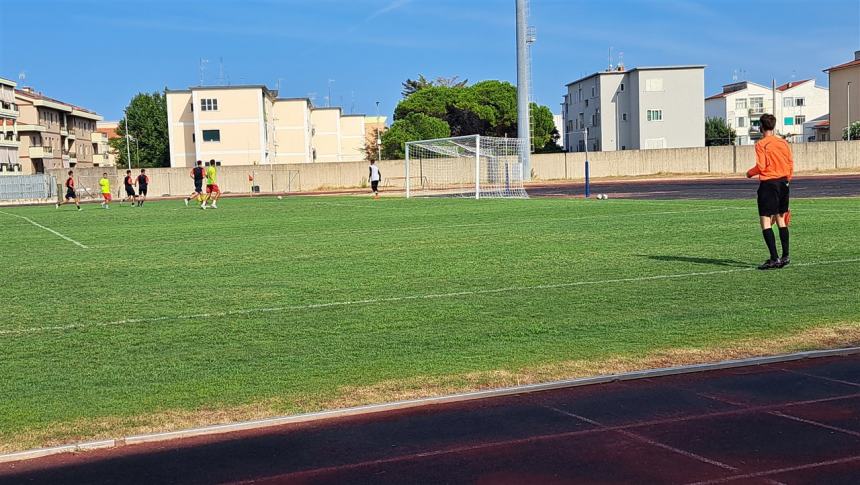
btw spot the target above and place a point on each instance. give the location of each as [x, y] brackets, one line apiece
[41, 152]
[64, 131]
[8, 110]
[8, 140]
[756, 110]
[101, 160]
[98, 137]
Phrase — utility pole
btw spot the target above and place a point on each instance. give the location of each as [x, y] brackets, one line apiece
[127, 143]
[523, 88]
[378, 135]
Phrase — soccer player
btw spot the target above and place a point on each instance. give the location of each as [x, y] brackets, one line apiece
[71, 194]
[142, 187]
[375, 177]
[774, 166]
[104, 183]
[197, 173]
[128, 181]
[213, 193]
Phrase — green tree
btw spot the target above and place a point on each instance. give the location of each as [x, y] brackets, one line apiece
[543, 127]
[147, 125]
[412, 86]
[717, 132]
[855, 132]
[415, 126]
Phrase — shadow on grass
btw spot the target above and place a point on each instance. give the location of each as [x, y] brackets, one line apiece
[687, 259]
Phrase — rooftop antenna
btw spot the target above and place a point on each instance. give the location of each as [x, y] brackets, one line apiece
[610, 58]
[221, 71]
[621, 61]
[312, 97]
[328, 98]
[735, 76]
[352, 103]
[22, 76]
[279, 85]
[203, 63]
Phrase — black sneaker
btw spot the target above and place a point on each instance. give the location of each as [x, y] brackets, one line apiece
[784, 261]
[770, 264]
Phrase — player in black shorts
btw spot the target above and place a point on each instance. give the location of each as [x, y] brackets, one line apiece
[71, 194]
[128, 181]
[198, 173]
[142, 187]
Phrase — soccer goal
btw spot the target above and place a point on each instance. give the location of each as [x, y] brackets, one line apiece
[466, 166]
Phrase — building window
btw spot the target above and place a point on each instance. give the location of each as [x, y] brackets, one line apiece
[622, 87]
[655, 115]
[208, 104]
[800, 101]
[654, 85]
[741, 103]
[592, 91]
[757, 105]
[624, 117]
[586, 103]
[799, 119]
[788, 102]
[211, 135]
[742, 122]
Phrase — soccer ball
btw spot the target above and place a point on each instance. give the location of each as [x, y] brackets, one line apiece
[605, 196]
[280, 197]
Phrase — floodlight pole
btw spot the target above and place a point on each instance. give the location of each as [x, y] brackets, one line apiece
[477, 167]
[127, 146]
[523, 123]
[587, 175]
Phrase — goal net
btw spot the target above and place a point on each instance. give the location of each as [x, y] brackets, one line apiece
[467, 166]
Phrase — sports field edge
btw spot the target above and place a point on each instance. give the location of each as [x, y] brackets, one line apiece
[91, 434]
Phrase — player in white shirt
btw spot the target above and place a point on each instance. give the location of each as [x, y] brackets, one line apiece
[375, 178]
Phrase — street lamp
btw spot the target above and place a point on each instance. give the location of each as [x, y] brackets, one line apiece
[378, 135]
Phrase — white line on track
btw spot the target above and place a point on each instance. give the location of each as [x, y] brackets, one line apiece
[393, 299]
[31, 221]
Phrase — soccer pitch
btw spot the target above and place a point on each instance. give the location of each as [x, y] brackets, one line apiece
[165, 317]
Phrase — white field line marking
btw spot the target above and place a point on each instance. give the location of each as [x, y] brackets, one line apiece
[31, 221]
[431, 296]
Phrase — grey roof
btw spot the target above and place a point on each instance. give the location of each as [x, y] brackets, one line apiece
[643, 68]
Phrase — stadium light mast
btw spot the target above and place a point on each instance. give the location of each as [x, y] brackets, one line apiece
[523, 88]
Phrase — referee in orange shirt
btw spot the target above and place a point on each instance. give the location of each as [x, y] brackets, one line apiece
[774, 166]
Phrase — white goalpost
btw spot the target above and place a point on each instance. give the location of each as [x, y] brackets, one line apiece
[467, 166]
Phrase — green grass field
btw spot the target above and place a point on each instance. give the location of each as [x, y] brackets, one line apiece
[173, 316]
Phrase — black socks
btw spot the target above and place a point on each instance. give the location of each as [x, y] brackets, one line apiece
[770, 240]
[783, 239]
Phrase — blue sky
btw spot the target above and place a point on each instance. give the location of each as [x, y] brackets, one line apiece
[369, 46]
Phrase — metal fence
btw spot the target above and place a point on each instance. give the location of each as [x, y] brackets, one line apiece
[28, 187]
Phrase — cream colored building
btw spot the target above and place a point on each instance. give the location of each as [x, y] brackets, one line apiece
[844, 89]
[741, 104]
[55, 134]
[106, 132]
[251, 125]
[9, 143]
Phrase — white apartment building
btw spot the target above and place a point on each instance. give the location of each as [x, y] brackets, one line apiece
[799, 106]
[640, 108]
[251, 125]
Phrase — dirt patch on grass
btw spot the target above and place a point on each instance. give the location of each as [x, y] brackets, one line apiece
[91, 429]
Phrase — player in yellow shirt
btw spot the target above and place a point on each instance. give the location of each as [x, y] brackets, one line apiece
[213, 193]
[104, 183]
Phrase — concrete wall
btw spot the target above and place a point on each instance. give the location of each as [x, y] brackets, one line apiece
[722, 160]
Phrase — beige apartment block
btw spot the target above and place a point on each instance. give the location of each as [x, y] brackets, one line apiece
[106, 131]
[844, 95]
[251, 125]
[54, 134]
[9, 143]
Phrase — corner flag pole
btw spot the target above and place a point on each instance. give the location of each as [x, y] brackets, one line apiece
[587, 178]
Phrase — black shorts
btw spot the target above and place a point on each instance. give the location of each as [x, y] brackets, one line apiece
[143, 189]
[375, 185]
[198, 186]
[129, 191]
[773, 197]
[70, 194]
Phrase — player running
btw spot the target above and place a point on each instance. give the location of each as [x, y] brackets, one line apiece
[71, 194]
[104, 183]
[213, 193]
[128, 181]
[197, 173]
[142, 187]
[774, 167]
[375, 177]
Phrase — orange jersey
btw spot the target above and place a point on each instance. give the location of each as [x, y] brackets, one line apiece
[773, 159]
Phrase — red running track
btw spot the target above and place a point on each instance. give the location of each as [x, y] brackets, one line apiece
[791, 423]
